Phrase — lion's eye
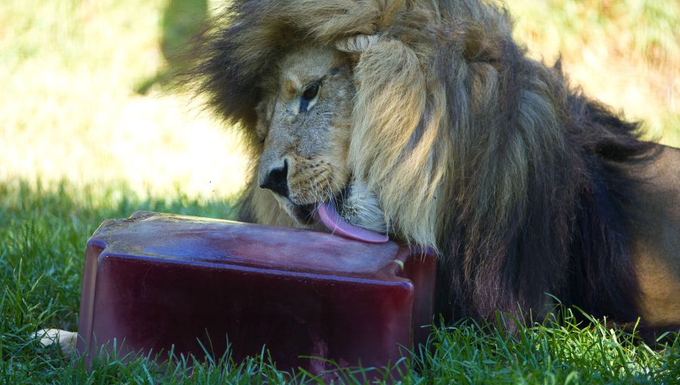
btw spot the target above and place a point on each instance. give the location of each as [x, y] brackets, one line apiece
[311, 91]
[308, 95]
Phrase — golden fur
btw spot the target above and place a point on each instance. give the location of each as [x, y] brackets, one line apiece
[522, 185]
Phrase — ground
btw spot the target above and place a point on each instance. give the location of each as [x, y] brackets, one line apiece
[89, 129]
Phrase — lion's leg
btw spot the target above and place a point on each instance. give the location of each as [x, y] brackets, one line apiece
[66, 340]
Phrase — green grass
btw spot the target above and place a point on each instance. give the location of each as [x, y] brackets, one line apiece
[43, 232]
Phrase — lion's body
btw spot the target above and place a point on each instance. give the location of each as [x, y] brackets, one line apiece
[523, 185]
[655, 240]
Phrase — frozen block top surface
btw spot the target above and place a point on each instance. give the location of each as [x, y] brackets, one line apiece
[201, 240]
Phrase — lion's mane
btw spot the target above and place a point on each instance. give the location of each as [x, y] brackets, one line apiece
[518, 181]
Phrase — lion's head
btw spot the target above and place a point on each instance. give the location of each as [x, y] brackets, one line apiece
[362, 106]
[304, 124]
[426, 120]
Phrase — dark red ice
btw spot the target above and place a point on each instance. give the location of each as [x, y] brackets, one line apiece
[158, 280]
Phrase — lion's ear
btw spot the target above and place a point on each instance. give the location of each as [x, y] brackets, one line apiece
[356, 44]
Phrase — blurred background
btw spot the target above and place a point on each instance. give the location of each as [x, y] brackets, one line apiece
[85, 101]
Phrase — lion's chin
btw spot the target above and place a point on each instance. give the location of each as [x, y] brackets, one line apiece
[303, 215]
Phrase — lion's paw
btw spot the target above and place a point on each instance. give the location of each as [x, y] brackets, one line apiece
[66, 340]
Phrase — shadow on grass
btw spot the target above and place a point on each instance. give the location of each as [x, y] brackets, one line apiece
[182, 20]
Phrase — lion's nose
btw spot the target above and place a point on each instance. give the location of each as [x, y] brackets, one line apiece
[277, 180]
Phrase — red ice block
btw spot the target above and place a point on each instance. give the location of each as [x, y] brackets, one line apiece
[158, 280]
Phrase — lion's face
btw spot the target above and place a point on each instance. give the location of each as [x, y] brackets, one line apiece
[304, 123]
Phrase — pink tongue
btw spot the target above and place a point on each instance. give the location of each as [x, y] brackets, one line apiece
[327, 215]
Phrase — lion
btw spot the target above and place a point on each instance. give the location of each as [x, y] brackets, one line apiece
[426, 121]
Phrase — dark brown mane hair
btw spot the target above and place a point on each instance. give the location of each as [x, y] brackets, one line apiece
[535, 190]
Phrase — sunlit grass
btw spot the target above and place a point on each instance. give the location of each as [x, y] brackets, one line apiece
[70, 71]
[625, 53]
[69, 110]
